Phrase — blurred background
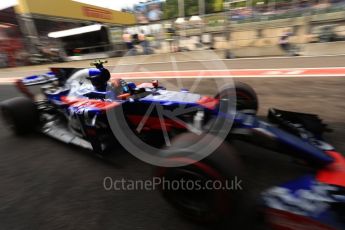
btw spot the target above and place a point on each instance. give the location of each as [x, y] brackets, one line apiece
[36, 32]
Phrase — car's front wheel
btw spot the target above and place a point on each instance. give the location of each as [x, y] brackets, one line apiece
[203, 191]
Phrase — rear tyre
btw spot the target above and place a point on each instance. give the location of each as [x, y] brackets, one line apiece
[20, 114]
[196, 200]
[247, 99]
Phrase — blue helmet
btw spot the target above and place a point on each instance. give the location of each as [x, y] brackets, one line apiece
[99, 78]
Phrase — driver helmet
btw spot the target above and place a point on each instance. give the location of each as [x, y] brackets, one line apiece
[99, 78]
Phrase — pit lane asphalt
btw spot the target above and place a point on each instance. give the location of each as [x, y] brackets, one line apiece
[49, 185]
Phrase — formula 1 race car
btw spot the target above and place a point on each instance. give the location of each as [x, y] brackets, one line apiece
[73, 104]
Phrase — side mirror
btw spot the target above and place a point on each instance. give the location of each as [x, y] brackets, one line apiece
[98, 63]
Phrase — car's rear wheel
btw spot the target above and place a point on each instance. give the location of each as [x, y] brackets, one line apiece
[246, 97]
[207, 194]
[19, 114]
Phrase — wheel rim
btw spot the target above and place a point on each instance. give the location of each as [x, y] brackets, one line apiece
[243, 96]
[243, 100]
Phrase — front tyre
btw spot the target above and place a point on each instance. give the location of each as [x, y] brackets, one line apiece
[205, 192]
[20, 114]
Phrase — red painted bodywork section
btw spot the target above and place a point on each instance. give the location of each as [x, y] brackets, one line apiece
[208, 102]
[84, 102]
[333, 174]
[282, 220]
[154, 122]
[151, 123]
